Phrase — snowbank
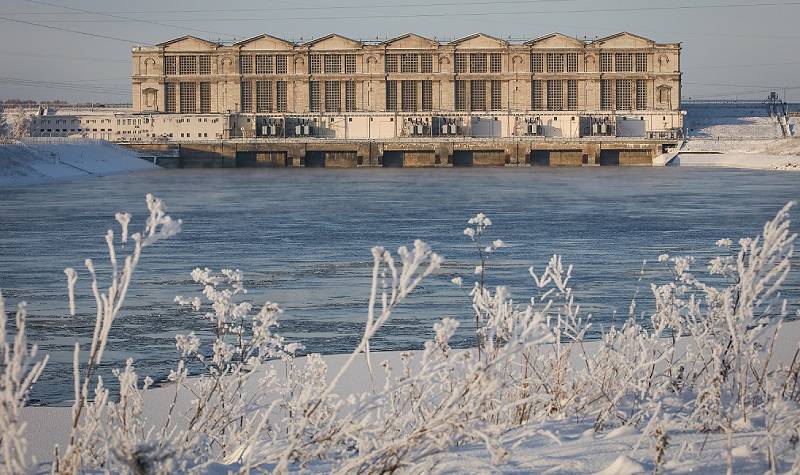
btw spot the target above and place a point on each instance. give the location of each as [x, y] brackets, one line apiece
[559, 447]
[754, 161]
[34, 163]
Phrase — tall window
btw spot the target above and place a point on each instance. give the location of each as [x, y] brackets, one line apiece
[333, 64]
[461, 62]
[572, 94]
[537, 62]
[350, 96]
[169, 97]
[427, 63]
[641, 62]
[624, 62]
[187, 64]
[205, 97]
[246, 64]
[263, 96]
[555, 95]
[409, 63]
[188, 97]
[391, 63]
[333, 96]
[205, 64]
[313, 96]
[477, 63]
[555, 62]
[408, 97]
[641, 94]
[280, 64]
[606, 60]
[624, 94]
[477, 95]
[391, 95]
[280, 93]
[572, 62]
[537, 98]
[496, 63]
[314, 64]
[247, 96]
[606, 99]
[461, 95]
[263, 64]
[497, 95]
[170, 65]
[427, 95]
[350, 64]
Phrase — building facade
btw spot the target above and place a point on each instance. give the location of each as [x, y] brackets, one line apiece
[553, 76]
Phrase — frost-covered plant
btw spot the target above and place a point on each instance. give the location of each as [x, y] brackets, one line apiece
[81, 446]
[20, 370]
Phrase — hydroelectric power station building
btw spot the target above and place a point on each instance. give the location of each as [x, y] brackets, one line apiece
[409, 101]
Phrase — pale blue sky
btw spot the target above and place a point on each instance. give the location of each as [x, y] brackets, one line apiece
[730, 47]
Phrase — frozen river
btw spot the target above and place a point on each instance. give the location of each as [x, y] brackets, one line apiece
[303, 239]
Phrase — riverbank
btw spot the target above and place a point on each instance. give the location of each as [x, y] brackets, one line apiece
[38, 163]
[553, 447]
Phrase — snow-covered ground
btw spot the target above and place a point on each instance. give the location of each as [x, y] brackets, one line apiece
[738, 137]
[567, 446]
[34, 163]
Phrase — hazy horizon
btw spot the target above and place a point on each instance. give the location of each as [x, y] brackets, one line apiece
[730, 49]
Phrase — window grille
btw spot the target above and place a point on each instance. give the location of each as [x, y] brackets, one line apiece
[555, 62]
[263, 96]
[169, 97]
[313, 96]
[605, 62]
[350, 96]
[477, 63]
[246, 64]
[641, 94]
[187, 64]
[572, 94]
[624, 62]
[170, 65]
[247, 96]
[461, 63]
[280, 64]
[496, 63]
[333, 64]
[409, 63]
[391, 95]
[477, 95]
[263, 64]
[555, 95]
[350, 64]
[537, 99]
[205, 64]
[314, 64]
[641, 62]
[572, 62]
[605, 94]
[427, 95]
[537, 62]
[497, 95]
[427, 63]
[333, 96]
[188, 97]
[624, 94]
[408, 97]
[205, 97]
[280, 93]
[391, 63]
[461, 95]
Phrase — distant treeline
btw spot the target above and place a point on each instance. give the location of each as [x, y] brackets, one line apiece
[31, 103]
